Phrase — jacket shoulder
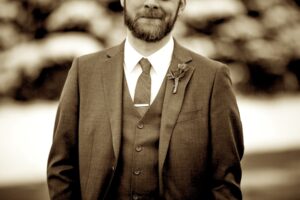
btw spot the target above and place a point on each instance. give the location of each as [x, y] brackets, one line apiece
[100, 56]
[199, 61]
[205, 62]
[205, 69]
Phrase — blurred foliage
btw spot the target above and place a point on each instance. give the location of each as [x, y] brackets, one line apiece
[258, 39]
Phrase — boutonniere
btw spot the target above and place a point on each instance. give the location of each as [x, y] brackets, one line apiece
[177, 74]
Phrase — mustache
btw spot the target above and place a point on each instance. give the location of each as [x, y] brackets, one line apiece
[151, 13]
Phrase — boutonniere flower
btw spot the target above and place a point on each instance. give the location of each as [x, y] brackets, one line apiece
[177, 74]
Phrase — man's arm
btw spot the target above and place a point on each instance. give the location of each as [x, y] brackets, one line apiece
[62, 169]
[227, 145]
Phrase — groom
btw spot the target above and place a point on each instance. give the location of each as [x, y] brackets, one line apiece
[147, 119]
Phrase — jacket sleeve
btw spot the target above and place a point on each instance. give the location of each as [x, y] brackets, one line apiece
[62, 168]
[227, 145]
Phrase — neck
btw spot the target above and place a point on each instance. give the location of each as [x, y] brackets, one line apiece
[146, 48]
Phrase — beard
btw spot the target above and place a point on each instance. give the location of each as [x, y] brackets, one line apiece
[158, 25]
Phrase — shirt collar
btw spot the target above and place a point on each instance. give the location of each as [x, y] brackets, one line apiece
[131, 56]
[159, 60]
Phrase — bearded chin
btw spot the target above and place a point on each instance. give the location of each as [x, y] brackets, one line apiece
[154, 34]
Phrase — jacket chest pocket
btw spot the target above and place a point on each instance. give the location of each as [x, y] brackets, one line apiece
[190, 115]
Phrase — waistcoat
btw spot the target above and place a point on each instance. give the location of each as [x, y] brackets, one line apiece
[137, 171]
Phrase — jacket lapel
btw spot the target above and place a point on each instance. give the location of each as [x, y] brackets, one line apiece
[172, 104]
[112, 82]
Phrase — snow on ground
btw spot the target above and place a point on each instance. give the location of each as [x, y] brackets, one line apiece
[26, 133]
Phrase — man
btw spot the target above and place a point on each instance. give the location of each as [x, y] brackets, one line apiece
[147, 119]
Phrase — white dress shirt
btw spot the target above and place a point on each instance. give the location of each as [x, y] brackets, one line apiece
[160, 61]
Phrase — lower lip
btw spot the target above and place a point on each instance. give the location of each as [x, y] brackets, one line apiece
[149, 18]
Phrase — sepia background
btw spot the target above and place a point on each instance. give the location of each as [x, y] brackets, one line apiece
[258, 39]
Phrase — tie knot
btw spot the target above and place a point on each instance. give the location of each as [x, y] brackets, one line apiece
[146, 65]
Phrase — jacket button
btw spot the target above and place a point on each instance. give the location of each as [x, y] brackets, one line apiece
[140, 125]
[135, 197]
[137, 172]
[139, 148]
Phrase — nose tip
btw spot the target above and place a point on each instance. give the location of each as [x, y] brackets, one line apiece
[151, 4]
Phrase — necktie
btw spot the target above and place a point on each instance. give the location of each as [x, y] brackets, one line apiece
[143, 88]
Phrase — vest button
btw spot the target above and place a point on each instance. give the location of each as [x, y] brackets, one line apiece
[135, 197]
[139, 148]
[137, 172]
[140, 125]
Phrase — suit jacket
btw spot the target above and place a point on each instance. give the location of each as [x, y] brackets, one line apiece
[201, 140]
